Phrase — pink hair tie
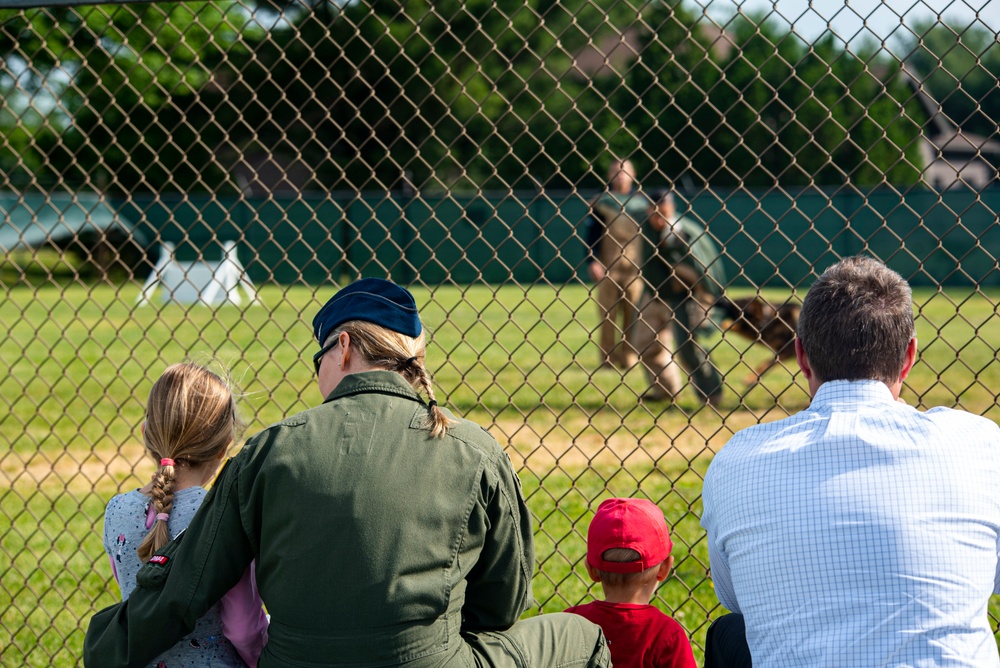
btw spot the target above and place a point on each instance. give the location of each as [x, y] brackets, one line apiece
[152, 517]
[167, 461]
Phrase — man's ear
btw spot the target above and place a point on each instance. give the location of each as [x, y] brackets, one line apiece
[594, 575]
[910, 359]
[800, 356]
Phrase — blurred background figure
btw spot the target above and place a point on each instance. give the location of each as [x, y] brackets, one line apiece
[614, 235]
[684, 276]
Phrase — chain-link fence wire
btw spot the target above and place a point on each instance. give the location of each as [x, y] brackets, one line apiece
[259, 156]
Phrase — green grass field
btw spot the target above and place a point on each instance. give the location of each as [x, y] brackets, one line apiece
[78, 361]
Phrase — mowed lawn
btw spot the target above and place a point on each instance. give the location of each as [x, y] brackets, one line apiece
[78, 360]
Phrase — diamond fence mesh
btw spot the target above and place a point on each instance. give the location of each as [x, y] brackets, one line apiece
[159, 156]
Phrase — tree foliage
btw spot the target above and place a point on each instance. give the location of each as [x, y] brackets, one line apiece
[959, 67]
[464, 94]
[770, 109]
[474, 93]
[108, 85]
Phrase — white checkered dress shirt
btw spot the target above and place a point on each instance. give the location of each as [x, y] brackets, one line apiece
[859, 532]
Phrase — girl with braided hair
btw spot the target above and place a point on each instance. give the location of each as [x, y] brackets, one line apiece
[191, 420]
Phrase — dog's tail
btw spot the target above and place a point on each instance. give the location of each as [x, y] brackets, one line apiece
[729, 308]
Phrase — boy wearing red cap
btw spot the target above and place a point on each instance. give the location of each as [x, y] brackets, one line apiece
[628, 552]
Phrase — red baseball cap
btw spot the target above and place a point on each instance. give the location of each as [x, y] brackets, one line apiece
[637, 524]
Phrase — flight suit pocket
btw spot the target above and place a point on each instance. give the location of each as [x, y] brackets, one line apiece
[154, 574]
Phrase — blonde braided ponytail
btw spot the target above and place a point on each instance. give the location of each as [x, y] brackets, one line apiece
[191, 419]
[383, 348]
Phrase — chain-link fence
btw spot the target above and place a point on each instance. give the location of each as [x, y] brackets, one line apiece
[256, 156]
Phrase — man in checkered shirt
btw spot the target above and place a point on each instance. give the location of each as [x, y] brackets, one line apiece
[861, 531]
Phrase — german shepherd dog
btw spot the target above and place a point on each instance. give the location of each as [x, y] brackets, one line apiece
[760, 321]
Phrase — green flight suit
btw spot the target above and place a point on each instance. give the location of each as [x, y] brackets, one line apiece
[683, 306]
[376, 545]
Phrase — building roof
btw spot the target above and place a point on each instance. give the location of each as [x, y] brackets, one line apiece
[34, 219]
[956, 141]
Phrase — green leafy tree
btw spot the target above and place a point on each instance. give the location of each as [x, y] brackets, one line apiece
[454, 94]
[473, 94]
[30, 114]
[772, 110]
[959, 66]
[116, 80]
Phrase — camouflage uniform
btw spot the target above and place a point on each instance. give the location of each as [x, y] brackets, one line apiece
[684, 276]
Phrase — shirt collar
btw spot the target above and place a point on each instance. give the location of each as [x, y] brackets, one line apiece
[835, 392]
[378, 381]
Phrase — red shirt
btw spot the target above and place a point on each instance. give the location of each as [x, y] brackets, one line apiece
[640, 636]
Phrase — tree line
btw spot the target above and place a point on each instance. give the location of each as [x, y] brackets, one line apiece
[465, 95]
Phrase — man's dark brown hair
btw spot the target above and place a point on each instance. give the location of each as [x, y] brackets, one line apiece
[857, 321]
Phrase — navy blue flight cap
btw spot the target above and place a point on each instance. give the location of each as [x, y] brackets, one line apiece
[374, 300]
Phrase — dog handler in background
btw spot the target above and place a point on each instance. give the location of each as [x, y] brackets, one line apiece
[386, 532]
[684, 276]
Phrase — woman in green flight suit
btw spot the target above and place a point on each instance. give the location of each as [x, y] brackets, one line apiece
[386, 532]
